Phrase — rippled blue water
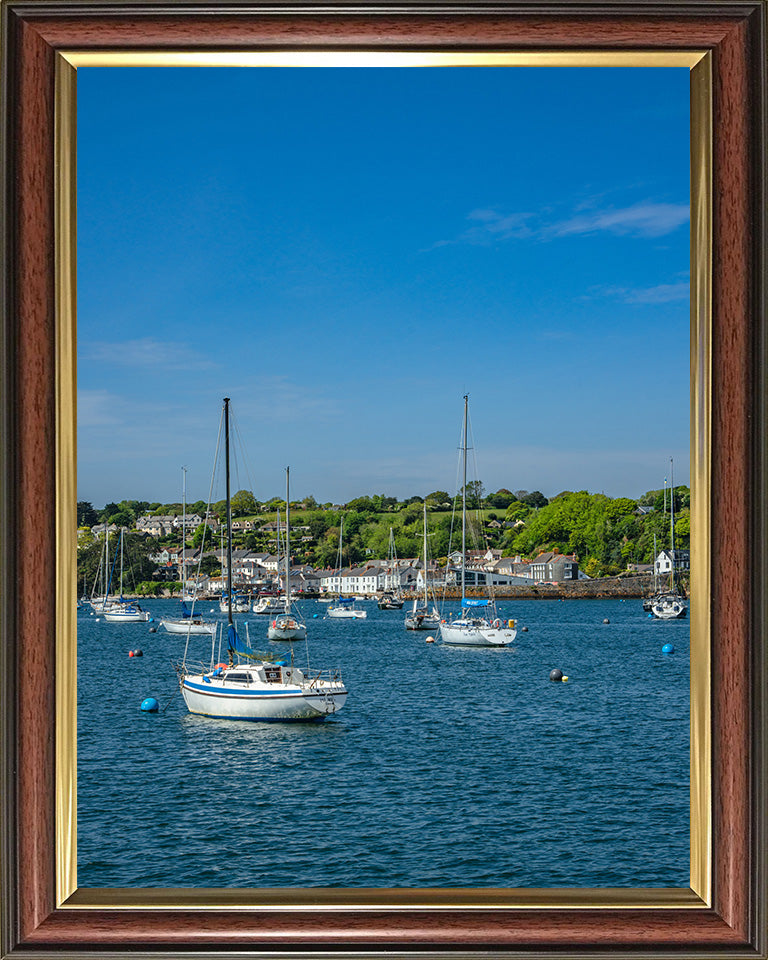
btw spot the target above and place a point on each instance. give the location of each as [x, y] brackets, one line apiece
[448, 766]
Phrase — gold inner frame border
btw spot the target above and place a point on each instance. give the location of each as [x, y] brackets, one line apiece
[699, 894]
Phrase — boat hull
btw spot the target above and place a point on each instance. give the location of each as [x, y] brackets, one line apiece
[260, 703]
[286, 630]
[269, 606]
[126, 616]
[476, 635]
[421, 623]
[669, 608]
[184, 626]
[348, 614]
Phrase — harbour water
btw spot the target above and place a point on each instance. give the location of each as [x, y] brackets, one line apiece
[448, 767]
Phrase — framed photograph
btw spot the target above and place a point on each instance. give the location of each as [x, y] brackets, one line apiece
[722, 909]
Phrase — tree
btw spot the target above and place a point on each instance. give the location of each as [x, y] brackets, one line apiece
[210, 565]
[244, 504]
[438, 500]
[501, 499]
[535, 499]
[203, 530]
[86, 515]
[123, 518]
[474, 494]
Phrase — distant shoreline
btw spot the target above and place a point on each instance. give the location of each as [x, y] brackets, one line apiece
[606, 588]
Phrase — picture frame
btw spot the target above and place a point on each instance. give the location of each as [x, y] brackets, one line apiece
[723, 913]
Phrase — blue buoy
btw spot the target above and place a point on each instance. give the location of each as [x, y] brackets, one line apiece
[668, 648]
[151, 620]
[150, 705]
[650, 616]
[314, 616]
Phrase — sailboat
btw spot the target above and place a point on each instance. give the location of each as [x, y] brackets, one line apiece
[287, 625]
[670, 605]
[270, 603]
[420, 617]
[251, 686]
[97, 602]
[470, 629]
[392, 599]
[344, 607]
[120, 610]
[189, 621]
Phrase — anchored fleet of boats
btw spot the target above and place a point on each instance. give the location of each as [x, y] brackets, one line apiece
[252, 685]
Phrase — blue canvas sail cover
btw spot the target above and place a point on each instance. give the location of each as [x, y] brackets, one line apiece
[185, 611]
[346, 599]
[466, 602]
[235, 643]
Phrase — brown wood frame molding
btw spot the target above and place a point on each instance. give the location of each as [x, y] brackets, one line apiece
[735, 925]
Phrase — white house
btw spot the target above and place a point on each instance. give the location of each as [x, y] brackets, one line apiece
[354, 580]
[664, 561]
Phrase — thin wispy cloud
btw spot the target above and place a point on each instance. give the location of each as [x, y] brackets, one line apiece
[638, 220]
[161, 355]
[646, 220]
[662, 293]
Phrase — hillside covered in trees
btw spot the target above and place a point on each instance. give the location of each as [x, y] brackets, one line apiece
[607, 534]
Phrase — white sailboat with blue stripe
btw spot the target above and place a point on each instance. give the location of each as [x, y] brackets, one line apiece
[478, 624]
[250, 685]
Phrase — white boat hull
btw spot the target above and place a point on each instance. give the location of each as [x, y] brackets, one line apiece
[421, 620]
[483, 634]
[265, 701]
[669, 608]
[269, 606]
[126, 616]
[192, 627]
[238, 606]
[287, 628]
[342, 614]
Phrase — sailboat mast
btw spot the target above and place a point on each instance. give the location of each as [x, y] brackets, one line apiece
[287, 540]
[229, 512]
[121, 562]
[426, 598]
[672, 517]
[183, 529]
[464, 508]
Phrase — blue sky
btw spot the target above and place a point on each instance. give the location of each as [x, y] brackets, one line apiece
[346, 252]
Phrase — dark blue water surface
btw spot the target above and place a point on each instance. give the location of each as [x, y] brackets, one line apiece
[448, 766]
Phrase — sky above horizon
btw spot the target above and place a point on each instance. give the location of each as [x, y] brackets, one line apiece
[346, 252]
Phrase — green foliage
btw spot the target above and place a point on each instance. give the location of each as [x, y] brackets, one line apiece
[136, 563]
[438, 500]
[244, 504]
[501, 499]
[474, 494]
[203, 530]
[209, 566]
[606, 533]
[589, 525]
[86, 515]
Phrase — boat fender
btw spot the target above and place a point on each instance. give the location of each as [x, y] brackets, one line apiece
[496, 624]
[274, 623]
[511, 624]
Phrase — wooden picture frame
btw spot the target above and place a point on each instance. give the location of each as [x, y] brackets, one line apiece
[726, 916]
